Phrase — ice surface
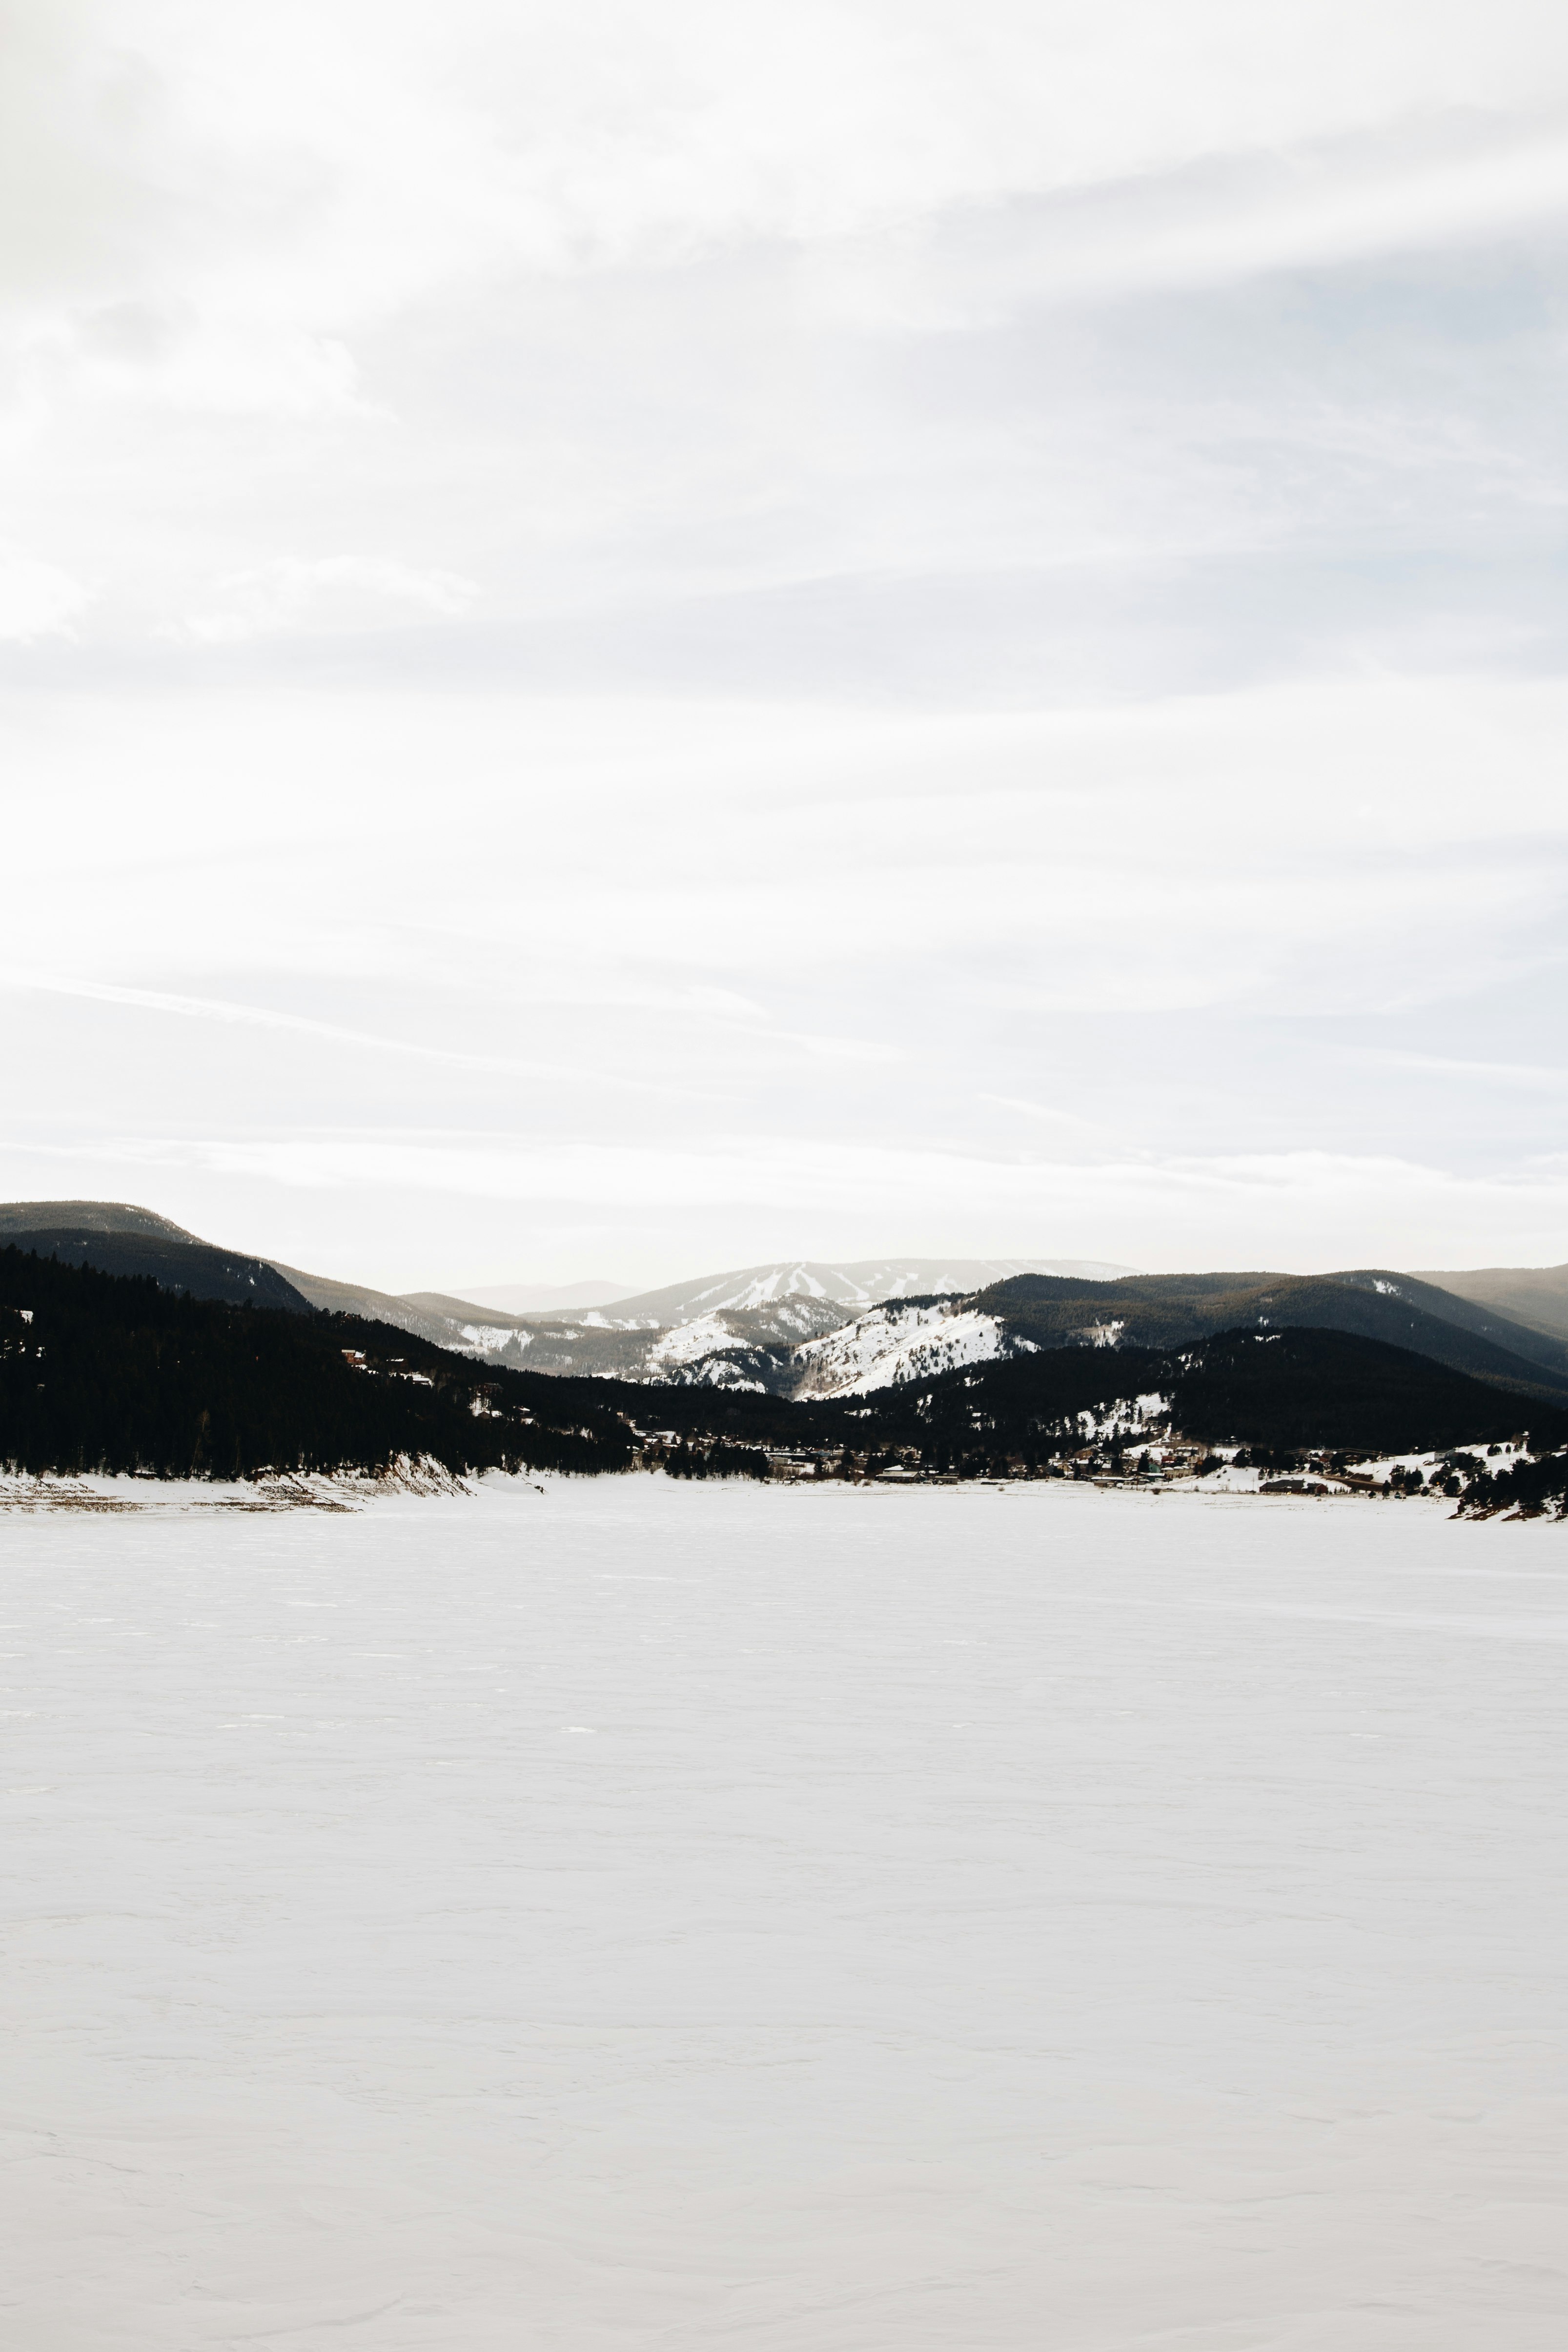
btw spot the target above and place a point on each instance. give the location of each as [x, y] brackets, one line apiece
[656, 1914]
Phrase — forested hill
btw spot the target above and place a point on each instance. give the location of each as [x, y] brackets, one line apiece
[109, 1373]
[1172, 1310]
[87, 1217]
[1286, 1390]
[176, 1262]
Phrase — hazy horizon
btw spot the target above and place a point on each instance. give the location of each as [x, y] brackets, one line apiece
[517, 1294]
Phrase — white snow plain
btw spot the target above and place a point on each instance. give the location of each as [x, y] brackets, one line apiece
[649, 1914]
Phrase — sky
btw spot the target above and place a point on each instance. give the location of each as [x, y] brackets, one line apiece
[637, 640]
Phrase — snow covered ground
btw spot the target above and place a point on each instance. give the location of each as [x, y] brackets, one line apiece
[895, 1343]
[849, 1920]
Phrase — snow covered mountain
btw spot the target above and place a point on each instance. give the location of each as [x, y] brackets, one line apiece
[768, 1328]
[898, 1341]
[732, 1348]
[738, 1329]
[895, 1342]
[799, 1348]
[851, 1286]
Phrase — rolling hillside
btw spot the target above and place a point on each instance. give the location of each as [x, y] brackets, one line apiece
[333, 1297]
[1171, 1310]
[148, 1245]
[120, 1237]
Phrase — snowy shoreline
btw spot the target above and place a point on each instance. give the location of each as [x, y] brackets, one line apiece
[650, 1913]
[339, 1491]
[276, 1490]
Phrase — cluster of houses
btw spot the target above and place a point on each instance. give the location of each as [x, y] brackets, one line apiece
[907, 1465]
[1104, 1463]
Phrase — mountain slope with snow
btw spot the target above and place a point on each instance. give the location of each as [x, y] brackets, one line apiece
[850, 1284]
[901, 1341]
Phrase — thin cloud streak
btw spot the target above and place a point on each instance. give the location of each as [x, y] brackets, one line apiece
[257, 1016]
[1264, 1203]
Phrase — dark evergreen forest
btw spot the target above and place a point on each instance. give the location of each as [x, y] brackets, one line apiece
[174, 1263]
[1289, 1391]
[112, 1373]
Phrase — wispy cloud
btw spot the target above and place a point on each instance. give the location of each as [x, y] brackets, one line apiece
[286, 593]
[1267, 1202]
[1532, 1077]
[1045, 1114]
[38, 600]
[229, 1014]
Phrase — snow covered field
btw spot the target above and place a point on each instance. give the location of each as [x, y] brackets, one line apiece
[658, 1915]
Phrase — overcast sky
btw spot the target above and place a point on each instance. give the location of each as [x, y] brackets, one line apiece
[641, 638]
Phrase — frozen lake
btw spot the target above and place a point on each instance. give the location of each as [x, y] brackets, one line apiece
[661, 1916]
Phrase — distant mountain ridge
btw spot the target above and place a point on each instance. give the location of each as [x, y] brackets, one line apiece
[724, 1330]
[100, 1374]
[805, 1348]
[854, 1285]
[807, 1330]
[733, 1330]
[332, 1297]
[901, 1340]
[1171, 1309]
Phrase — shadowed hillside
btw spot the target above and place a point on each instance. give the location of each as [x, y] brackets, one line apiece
[1171, 1310]
[105, 1373]
[196, 1268]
